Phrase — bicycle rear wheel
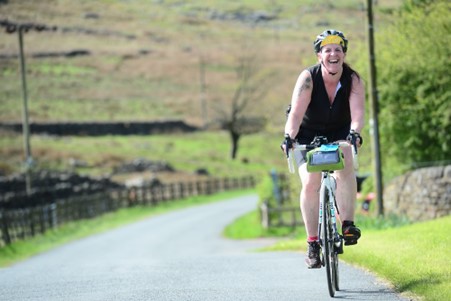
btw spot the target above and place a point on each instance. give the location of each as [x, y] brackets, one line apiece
[327, 244]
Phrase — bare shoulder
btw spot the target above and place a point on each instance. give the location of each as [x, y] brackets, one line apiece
[305, 81]
[356, 80]
[358, 86]
[305, 74]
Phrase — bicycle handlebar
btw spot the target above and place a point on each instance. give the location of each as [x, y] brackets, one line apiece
[303, 147]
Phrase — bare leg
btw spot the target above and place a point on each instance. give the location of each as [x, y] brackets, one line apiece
[311, 183]
[346, 188]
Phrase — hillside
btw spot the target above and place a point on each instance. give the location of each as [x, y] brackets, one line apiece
[155, 60]
[141, 60]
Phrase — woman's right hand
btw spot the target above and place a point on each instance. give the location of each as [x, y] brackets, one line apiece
[287, 144]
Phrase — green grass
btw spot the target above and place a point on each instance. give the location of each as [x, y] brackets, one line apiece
[258, 154]
[412, 257]
[247, 226]
[21, 250]
[159, 68]
[156, 77]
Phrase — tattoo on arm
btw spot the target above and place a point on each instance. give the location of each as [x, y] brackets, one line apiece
[305, 85]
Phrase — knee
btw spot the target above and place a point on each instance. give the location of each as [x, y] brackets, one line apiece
[310, 185]
[309, 190]
[348, 171]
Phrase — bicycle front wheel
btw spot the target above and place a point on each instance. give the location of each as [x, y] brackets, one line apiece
[327, 244]
[335, 270]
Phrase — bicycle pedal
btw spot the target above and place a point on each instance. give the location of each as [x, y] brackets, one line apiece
[350, 242]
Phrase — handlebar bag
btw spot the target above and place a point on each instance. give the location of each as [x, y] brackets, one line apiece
[327, 157]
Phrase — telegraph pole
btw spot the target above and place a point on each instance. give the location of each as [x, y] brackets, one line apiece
[374, 124]
[203, 100]
[25, 124]
[11, 28]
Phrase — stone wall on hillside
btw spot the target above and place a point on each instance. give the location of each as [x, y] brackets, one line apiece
[103, 128]
[422, 194]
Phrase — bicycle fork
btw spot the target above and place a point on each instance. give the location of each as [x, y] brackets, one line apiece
[329, 186]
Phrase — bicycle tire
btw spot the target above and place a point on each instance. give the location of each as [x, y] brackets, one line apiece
[335, 261]
[336, 272]
[328, 243]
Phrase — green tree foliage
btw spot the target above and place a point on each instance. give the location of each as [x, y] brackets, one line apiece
[414, 84]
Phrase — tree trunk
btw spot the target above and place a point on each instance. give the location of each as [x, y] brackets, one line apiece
[235, 137]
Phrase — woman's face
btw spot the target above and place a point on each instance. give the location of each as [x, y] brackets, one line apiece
[332, 57]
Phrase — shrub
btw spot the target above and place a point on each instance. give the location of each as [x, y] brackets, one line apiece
[413, 67]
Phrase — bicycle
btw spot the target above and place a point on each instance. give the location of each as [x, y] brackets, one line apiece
[326, 157]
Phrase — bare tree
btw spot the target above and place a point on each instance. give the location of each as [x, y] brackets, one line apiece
[240, 116]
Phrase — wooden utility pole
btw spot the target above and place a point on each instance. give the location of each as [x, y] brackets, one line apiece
[374, 124]
[11, 27]
[202, 92]
[25, 124]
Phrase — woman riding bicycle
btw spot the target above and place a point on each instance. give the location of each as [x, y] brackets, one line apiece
[328, 100]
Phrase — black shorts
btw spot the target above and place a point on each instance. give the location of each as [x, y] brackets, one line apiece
[306, 136]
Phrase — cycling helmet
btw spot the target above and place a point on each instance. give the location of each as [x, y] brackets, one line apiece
[330, 36]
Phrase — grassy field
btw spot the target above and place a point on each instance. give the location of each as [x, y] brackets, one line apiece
[414, 258]
[184, 152]
[144, 57]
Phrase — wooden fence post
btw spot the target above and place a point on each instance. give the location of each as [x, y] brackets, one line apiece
[31, 221]
[226, 183]
[199, 187]
[53, 215]
[172, 191]
[181, 190]
[190, 189]
[153, 196]
[141, 196]
[264, 214]
[4, 226]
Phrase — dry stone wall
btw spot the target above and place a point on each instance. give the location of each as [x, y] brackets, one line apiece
[103, 128]
[422, 194]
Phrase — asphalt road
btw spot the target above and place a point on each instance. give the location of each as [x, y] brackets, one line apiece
[179, 256]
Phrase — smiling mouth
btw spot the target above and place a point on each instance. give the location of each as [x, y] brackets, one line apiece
[333, 61]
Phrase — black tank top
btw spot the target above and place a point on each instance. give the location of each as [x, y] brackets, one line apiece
[321, 116]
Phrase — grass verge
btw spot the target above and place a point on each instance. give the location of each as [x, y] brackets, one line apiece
[21, 250]
[248, 226]
[414, 258]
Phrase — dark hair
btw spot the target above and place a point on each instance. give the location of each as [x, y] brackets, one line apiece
[346, 65]
[349, 72]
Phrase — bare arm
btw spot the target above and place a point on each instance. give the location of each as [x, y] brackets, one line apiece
[357, 104]
[300, 100]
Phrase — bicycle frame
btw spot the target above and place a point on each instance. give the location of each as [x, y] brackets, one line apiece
[329, 188]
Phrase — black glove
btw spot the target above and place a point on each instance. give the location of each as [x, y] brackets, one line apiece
[288, 142]
[353, 136]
